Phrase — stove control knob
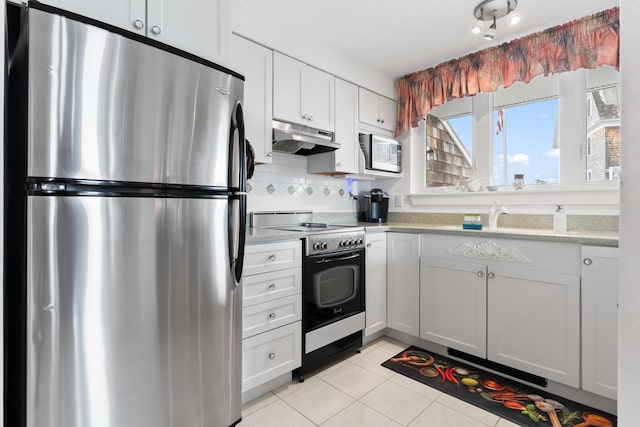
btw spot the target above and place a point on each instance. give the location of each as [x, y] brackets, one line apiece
[316, 245]
[342, 243]
[360, 241]
[324, 245]
[351, 242]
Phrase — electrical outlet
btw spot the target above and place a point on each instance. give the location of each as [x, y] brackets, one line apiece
[399, 201]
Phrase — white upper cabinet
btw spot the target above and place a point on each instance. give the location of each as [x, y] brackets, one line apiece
[376, 110]
[302, 94]
[255, 63]
[200, 27]
[345, 159]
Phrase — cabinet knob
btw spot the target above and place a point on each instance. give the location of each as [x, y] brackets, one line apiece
[304, 116]
[491, 275]
[155, 30]
[272, 316]
[272, 356]
[368, 245]
[310, 118]
[381, 121]
[480, 273]
[272, 257]
[587, 261]
[269, 154]
[339, 164]
[138, 24]
[272, 287]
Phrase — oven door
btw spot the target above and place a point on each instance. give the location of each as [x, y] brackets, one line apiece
[333, 287]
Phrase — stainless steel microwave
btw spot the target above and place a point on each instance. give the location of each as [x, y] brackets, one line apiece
[381, 154]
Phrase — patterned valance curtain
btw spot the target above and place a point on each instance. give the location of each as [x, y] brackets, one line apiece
[589, 42]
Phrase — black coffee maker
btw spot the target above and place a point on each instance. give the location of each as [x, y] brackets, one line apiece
[374, 206]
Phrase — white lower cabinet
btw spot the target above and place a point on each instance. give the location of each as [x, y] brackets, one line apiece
[600, 320]
[403, 282]
[376, 283]
[453, 304]
[269, 355]
[271, 312]
[522, 309]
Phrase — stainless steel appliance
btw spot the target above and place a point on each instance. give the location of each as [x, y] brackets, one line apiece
[374, 205]
[303, 140]
[125, 231]
[333, 288]
[381, 154]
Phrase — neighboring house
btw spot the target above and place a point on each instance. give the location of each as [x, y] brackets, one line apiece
[603, 134]
[448, 161]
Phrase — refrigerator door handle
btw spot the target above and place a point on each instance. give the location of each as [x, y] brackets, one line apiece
[237, 131]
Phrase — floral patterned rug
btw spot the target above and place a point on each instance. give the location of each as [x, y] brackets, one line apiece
[504, 397]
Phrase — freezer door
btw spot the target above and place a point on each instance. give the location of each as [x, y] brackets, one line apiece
[105, 107]
[133, 314]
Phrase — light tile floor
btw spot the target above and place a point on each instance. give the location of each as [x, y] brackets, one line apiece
[358, 392]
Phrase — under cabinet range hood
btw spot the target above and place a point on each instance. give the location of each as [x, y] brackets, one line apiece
[303, 140]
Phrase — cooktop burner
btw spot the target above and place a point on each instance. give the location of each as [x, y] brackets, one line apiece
[320, 238]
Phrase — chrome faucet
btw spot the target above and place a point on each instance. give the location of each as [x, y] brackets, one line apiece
[494, 213]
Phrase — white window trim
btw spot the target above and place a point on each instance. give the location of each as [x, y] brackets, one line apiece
[574, 192]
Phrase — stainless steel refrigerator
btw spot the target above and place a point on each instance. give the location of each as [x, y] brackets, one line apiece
[125, 230]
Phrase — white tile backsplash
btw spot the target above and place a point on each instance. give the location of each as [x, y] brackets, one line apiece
[295, 189]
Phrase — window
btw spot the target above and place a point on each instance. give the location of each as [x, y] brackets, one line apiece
[449, 144]
[547, 130]
[525, 143]
[603, 124]
[525, 120]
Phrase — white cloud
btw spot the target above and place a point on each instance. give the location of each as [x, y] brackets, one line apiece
[518, 158]
[552, 153]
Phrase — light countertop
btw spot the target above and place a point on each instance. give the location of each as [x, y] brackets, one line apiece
[582, 237]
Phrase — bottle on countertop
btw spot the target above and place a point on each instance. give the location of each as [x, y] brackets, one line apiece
[559, 220]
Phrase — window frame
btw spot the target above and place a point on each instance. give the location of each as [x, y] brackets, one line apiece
[582, 196]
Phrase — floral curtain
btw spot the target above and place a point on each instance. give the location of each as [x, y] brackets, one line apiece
[589, 42]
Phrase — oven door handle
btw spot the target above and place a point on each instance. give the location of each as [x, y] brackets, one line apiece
[345, 258]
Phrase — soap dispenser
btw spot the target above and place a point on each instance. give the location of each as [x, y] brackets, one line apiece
[559, 221]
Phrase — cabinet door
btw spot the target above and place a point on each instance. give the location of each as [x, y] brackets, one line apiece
[318, 98]
[403, 282]
[600, 320]
[287, 89]
[255, 63]
[376, 279]
[533, 322]
[387, 113]
[346, 127]
[126, 14]
[201, 27]
[369, 107]
[453, 304]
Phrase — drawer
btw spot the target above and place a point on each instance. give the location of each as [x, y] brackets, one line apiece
[271, 257]
[269, 355]
[270, 315]
[259, 288]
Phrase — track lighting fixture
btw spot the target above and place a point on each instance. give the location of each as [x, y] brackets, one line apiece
[492, 10]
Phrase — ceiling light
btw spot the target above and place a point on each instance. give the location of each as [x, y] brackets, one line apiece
[477, 27]
[491, 32]
[492, 10]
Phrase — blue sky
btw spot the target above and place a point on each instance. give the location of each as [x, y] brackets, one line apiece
[530, 133]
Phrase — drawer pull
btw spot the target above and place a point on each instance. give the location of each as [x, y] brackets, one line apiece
[272, 356]
[272, 316]
[272, 257]
[272, 287]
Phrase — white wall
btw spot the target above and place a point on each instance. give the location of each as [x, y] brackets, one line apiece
[629, 318]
